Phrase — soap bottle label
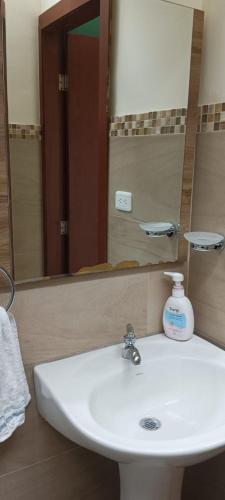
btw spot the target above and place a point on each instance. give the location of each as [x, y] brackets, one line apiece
[175, 319]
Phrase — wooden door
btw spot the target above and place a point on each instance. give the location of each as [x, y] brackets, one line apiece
[53, 100]
[88, 233]
[83, 151]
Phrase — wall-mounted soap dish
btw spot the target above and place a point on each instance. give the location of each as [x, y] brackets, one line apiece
[159, 229]
[205, 242]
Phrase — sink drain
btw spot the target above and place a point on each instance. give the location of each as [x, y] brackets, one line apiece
[150, 424]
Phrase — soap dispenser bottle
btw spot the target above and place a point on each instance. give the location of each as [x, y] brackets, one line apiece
[178, 316]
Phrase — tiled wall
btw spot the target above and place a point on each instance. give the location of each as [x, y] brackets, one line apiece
[207, 280]
[56, 320]
[151, 168]
[211, 117]
[169, 121]
[207, 275]
[26, 193]
[153, 158]
[17, 131]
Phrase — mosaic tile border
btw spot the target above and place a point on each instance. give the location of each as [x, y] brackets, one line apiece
[165, 122]
[211, 118]
[17, 131]
[169, 121]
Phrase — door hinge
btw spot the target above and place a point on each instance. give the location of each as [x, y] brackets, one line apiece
[63, 82]
[64, 227]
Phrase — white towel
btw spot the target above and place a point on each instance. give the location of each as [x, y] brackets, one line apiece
[14, 391]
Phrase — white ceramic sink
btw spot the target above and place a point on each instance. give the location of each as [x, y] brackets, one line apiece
[98, 399]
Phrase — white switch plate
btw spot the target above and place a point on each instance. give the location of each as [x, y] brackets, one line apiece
[123, 201]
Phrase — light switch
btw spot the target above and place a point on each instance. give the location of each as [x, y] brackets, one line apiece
[123, 201]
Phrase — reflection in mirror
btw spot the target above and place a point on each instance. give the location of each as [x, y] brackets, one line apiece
[150, 87]
[71, 211]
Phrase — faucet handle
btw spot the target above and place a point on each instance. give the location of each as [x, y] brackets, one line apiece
[130, 336]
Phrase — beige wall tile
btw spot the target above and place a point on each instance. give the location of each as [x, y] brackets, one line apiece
[207, 279]
[205, 481]
[25, 158]
[27, 232]
[151, 168]
[26, 189]
[32, 442]
[128, 242]
[207, 292]
[208, 202]
[28, 264]
[77, 474]
[60, 320]
[207, 288]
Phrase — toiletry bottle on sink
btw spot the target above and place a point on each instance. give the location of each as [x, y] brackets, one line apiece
[178, 317]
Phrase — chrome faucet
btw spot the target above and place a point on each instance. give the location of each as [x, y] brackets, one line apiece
[130, 351]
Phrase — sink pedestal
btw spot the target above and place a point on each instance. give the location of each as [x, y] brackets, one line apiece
[143, 482]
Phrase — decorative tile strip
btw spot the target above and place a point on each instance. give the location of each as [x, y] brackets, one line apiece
[24, 131]
[165, 122]
[211, 118]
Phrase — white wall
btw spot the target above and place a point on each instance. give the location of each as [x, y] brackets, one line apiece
[151, 56]
[212, 87]
[195, 4]
[22, 60]
[213, 68]
[46, 4]
[22, 54]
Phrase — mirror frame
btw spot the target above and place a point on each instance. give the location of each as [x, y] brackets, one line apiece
[53, 18]
[6, 241]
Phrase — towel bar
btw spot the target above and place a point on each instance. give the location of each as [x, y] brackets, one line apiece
[12, 284]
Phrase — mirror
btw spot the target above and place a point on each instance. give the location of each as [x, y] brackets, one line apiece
[152, 44]
[98, 178]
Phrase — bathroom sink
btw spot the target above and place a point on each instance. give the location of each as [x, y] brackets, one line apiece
[154, 419]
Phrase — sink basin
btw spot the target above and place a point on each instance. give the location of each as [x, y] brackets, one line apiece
[153, 419]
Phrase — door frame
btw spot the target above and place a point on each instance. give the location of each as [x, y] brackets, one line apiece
[53, 24]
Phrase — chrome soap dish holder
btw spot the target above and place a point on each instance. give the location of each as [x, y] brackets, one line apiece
[205, 242]
[160, 229]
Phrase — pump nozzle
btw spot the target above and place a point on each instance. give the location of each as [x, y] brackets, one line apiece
[176, 277]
